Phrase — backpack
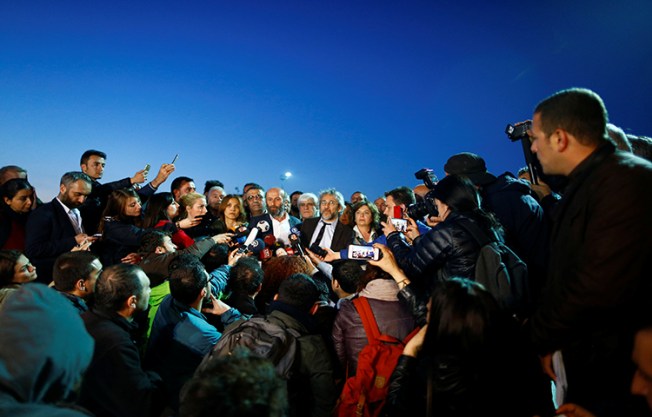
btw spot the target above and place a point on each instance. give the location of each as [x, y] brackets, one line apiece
[264, 336]
[501, 272]
[365, 393]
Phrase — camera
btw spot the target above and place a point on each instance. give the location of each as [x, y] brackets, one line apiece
[518, 131]
[427, 206]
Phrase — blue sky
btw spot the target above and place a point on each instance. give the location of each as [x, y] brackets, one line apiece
[348, 94]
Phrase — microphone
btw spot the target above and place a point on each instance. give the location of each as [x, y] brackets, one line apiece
[249, 240]
[296, 243]
[280, 251]
[240, 234]
[256, 246]
[270, 240]
[263, 225]
[295, 231]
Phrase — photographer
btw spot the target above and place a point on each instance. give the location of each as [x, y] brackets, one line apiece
[447, 250]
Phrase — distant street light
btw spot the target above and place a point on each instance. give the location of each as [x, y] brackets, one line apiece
[286, 175]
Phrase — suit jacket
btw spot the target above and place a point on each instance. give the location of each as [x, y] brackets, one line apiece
[342, 236]
[48, 234]
[266, 217]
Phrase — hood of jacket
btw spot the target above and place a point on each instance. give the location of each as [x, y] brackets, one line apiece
[45, 347]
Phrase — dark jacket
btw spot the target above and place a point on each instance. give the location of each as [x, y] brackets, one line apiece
[49, 233]
[179, 340]
[343, 235]
[115, 384]
[446, 251]
[599, 286]
[265, 220]
[526, 227]
[311, 390]
[349, 334]
[91, 210]
[44, 350]
[122, 238]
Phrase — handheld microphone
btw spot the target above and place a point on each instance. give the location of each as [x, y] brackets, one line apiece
[295, 231]
[270, 240]
[263, 225]
[256, 246]
[265, 254]
[249, 240]
[281, 251]
[296, 243]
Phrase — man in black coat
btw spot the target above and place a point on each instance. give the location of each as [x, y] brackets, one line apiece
[277, 221]
[115, 385]
[598, 288]
[335, 235]
[56, 227]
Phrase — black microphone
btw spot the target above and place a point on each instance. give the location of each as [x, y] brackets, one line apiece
[296, 243]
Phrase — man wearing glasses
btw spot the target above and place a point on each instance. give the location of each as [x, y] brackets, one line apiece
[254, 200]
[326, 231]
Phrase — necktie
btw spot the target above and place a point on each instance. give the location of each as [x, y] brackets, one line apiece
[320, 235]
[74, 213]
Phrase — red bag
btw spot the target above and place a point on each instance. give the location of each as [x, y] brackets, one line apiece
[364, 394]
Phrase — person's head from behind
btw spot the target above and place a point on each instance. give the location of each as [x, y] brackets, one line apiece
[308, 206]
[246, 277]
[217, 256]
[461, 319]
[9, 172]
[181, 186]
[157, 242]
[299, 291]
[15, 268]
[457, 194]
[189, 283]
[232, 209]
[238, 385]
[160, 207]
[123, 205]
[401, 197]
[45, 349]
[331, 204]
[566, 126]
[192, 205]
[276, 270]
[642, 358]
[122, 289]
[76, 273]
[74, 188]
[18, 195]
[92, 163]
[346, 277]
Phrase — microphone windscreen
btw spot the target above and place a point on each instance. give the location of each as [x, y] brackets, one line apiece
[256, 246]
[270, 240]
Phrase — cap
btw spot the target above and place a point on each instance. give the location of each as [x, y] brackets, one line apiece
[469, 165]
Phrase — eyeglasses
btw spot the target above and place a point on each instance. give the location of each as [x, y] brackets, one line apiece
[331, 203]
[254, 197]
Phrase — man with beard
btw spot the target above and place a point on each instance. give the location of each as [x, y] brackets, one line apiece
[277, 220]
[326, 231]
[56, 227]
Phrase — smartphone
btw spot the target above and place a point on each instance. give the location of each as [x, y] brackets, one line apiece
[398, 212]
[175, 158]
[97, 235]
[147, 167]
[364, 253]
[400, 224]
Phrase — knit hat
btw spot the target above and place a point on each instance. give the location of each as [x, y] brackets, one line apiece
[469, 165]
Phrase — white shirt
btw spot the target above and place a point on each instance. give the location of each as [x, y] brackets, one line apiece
[281, 229]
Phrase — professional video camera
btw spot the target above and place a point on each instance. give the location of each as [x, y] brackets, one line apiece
[427, 207]
[518, 131]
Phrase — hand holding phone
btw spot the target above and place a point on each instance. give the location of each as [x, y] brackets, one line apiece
[400, 225]
[364, 253]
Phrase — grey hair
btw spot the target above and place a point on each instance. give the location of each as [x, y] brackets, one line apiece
[73, 176]
[338, 195]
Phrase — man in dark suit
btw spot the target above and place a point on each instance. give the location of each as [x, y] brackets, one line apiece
[277, 221]
[326, 231]
[56, 227]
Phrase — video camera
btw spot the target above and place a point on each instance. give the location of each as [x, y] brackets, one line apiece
[427, 207]
[518, 131]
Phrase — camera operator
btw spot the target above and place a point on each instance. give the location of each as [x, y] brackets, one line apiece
[511, 200]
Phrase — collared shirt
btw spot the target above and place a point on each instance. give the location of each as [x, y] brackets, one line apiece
[327, 239]
[73, 214]
[281, 229]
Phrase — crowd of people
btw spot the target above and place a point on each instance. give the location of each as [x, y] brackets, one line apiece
[114, 296]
